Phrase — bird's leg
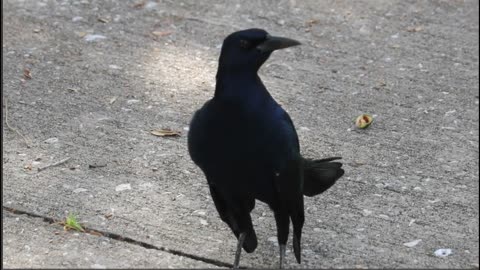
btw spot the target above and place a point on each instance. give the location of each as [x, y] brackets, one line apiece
[283, 222]
[241, 238]
[282, 255]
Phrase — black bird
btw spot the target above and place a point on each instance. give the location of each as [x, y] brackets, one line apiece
[248, 149]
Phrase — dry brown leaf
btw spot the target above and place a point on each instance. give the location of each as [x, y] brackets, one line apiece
[310, 23]
[27, 74]
[165, 133]
[81, 34]
[70, 89]
[363, 121]
[414, 28]
[103, 20]
[95, 233]
[139, 4]
[161, 33]
[112, 100]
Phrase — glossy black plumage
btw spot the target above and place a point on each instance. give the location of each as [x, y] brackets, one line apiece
[248, 149]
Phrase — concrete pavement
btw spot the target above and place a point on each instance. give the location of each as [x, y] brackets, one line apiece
[89, 80]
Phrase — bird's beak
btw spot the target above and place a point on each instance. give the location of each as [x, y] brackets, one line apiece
[276, 43]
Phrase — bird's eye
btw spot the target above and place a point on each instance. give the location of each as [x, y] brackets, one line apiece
[244, 44]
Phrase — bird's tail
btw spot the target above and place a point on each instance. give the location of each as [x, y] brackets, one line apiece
[320, 174]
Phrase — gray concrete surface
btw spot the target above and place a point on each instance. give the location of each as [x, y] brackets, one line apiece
[412, 175]
[31, 243]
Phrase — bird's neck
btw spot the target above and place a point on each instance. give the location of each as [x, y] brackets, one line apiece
[240, 87]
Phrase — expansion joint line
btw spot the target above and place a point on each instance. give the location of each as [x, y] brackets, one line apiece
[125, 239]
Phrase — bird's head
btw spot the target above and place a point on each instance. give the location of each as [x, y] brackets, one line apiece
[247, 50]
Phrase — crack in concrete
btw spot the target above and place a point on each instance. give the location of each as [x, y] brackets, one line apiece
[129, 240]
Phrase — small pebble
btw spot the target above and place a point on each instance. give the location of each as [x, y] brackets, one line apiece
[78, 190]
[92, 38]
[150, 5]
[199, 213]
[367, 212]
[133, 101]
[51, 140]
[411, 222]
[77, 19]
[123, 187]
[412, 243]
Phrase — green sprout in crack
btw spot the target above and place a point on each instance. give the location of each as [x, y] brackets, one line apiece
[71, 223]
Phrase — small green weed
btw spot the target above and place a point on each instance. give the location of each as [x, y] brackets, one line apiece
[71, 223]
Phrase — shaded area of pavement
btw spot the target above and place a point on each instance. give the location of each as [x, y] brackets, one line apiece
[89, 80]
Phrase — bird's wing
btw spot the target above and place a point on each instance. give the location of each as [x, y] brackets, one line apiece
[282, 142]
[289, 181]
[290, 129]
